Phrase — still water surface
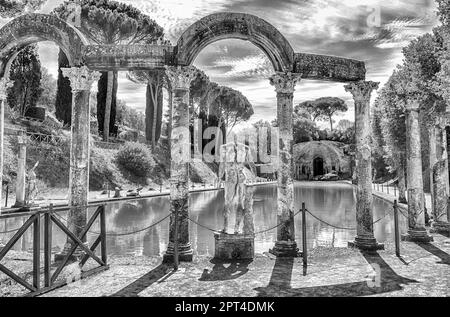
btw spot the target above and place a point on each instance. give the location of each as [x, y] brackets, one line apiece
[332, 202]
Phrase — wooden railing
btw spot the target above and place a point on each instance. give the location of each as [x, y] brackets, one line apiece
[50, 217]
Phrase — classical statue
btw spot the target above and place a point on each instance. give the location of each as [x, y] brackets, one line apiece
[32, 190]
[234, 157]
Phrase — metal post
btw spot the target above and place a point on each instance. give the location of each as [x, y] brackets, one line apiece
[47, 245]
[6, 196]
[107, 189]
[37, 251]
[397, 235]
[103, 234]
[395, 191]
[175, 243]
[305, 247]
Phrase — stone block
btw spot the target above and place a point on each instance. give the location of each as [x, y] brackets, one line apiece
[234, 246]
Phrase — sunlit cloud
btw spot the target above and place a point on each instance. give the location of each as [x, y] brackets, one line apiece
[344, 28]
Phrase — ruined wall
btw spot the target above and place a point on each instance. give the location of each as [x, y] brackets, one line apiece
[331, 152]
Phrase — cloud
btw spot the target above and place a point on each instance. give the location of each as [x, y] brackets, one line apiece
[373, 31]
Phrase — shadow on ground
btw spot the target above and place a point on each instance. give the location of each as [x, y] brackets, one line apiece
[144, 282]
[445, 257]
[280, 282]
[223, 271]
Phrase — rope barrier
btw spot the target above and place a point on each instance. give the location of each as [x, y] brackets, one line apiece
[327, 223]
[256, 233]
[122, 233]
[337, 227]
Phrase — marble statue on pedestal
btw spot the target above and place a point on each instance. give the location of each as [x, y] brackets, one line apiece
[32, 190]
[234, 157]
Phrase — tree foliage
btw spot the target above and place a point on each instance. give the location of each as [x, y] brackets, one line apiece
[323, 109]
[25, 72]
[48, 88]
[63, 102]
[231, 107]
[13, 8]
[113, 23]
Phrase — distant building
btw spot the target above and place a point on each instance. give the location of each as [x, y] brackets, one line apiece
[317, 158]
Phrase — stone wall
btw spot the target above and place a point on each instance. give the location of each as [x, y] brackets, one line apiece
[333, 154]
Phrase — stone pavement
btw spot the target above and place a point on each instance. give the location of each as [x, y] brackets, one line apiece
[423, 270]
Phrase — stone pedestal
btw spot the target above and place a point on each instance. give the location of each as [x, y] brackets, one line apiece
[234, 246]
[416, 203]
[284, 84]
[365, 238]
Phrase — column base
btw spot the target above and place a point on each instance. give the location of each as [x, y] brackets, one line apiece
[440, 227]
[417, 235]
[75, 257]
[366, 244]
[285, 249]
[185, 253]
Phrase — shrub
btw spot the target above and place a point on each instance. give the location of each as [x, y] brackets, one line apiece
[102, 170]
[135, 158]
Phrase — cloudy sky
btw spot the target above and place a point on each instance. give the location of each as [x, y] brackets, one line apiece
[373, 31]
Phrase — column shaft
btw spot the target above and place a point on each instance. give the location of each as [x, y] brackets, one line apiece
[285, 245]
[81, 79]
[180, 150]
[4, 84]
[416, 208]
[365, 238]
[2, 132]
[440, 177]
[79, 161]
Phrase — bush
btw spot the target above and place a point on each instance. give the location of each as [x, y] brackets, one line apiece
[135, 158]
[103, 170]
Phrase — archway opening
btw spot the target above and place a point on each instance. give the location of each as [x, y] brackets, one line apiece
[318, 166]
[241, 69]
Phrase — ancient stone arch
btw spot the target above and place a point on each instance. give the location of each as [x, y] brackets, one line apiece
[32, 28]
[242, 26]
[289, 67]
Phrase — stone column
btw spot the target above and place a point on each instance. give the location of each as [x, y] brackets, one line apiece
[180, 150]
[285, 245]
[416, 208]
[365, 238]
[81, 80]
[440, 176]
[433, 159]
[4, 84]
[21, 171]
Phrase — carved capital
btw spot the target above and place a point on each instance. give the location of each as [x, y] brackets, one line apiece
[181, 77]
[5, 83]
[413, 105]
[285, 82]
[81, 78]
[362, 90]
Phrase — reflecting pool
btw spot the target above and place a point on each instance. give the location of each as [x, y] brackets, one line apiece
[334, 203]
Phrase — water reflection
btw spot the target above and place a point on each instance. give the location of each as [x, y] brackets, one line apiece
[332, 202]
